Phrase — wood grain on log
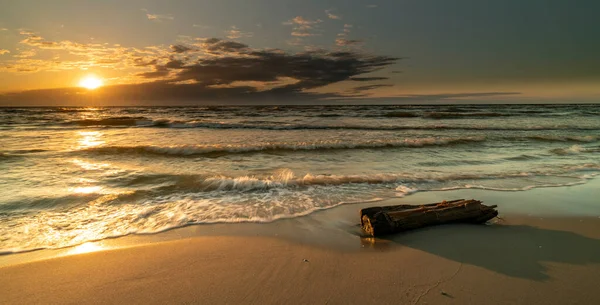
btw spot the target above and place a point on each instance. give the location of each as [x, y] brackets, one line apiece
[377, 221]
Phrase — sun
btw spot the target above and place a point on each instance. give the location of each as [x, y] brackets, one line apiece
[91, 82]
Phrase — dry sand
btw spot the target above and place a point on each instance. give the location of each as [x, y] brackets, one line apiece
[320, 259]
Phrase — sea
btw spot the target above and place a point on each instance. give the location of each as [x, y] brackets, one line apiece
[78, 174]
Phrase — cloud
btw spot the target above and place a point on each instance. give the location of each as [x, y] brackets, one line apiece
[311, 69]
[214, 69]
[299, 20]
[296, 41]
[3, 29]
[26, 54]
[342, 42]
[2, 51]
[236, 33]
[159, 71]
[372, 6]
[303, 27]
[88, 55]
[181, 48]
[218, 46]
[157, 17]
[204, 27]
[304, 34]
[331, 15]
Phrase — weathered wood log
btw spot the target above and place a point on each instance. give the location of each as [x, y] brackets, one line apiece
[377, 221]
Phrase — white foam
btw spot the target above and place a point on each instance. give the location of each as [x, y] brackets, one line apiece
[186, 150]
[575, 149]
[404, 190]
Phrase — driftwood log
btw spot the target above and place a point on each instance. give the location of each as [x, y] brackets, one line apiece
[377, 221]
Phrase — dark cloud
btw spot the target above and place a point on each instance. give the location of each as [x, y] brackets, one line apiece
[140, 62]
[212, 40]
[225, 46]
[216, 70]
[310, 70]
[343, 42]
[181, 48]
[159, 71]
[369, 87]
[173, 64]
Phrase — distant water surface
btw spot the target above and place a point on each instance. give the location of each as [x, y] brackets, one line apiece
[71, 175]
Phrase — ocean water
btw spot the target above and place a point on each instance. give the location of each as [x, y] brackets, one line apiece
[71, 175]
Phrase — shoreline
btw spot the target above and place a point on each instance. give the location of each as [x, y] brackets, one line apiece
[338, 228]
[538, 253]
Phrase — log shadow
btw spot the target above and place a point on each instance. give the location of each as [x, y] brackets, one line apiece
[514, 250]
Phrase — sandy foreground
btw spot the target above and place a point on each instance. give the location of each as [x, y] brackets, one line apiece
[522, 259]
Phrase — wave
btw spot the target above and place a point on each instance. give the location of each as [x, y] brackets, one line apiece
[216, 199]
[18, 154]
[510, 189]
[583, 167]
[523, 157]
[286, 179]
[72, 109]
[401, 114]
[213, 187]
[551, 138]
[329, 115]
[5, 156]
[145, 122]
[28, 151]
[404, 190]
[114, 121]
[221, 125]
[575, 149]
[190, 150]
[462, 115]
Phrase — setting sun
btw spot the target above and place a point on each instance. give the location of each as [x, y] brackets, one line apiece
[91, 82]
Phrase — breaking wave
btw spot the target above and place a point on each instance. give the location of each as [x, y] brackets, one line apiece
[462, 115]
[219, 199]
[144, 122]
[286, 179]
[401, 114]
[550, 138]
[189, 150]
[575, 149]
[112, 121]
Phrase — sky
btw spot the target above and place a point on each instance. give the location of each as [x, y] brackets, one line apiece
[293, 51]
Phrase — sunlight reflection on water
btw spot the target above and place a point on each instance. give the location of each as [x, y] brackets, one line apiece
[86, 248]
[90, 139]
[86, 189]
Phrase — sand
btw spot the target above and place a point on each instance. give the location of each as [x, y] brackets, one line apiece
[527, 258]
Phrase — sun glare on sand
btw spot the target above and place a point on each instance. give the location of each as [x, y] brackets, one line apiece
[91, 82]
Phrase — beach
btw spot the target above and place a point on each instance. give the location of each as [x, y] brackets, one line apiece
[535, 254]
[277, 152]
